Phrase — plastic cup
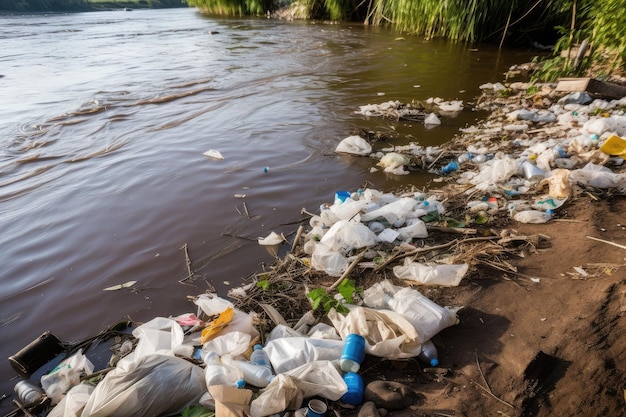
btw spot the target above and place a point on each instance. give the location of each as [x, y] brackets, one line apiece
[532, 172]
[316, 408]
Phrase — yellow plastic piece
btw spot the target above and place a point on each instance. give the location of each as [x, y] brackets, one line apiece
[213, 328]
[614, 145]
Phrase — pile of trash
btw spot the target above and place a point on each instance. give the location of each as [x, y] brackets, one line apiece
[292, 341]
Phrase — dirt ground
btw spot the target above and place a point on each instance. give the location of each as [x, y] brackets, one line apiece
[556, 347]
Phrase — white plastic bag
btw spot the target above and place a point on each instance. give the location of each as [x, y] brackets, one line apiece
[66, 375]
[387, 334]
[393, 160]
[444, 275]
[232, 343]
[355, 145]
[73, 402]
[427, 317]
[319, 378]
[345, 236]
[281, 394]
[328, 260]
[159, 334]
[290, 352]
[598, 176]
[394, 212]
[151, 386]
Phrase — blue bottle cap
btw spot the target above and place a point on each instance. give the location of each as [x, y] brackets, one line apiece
[434, 362]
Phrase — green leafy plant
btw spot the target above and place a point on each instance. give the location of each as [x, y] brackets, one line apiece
[320, 298]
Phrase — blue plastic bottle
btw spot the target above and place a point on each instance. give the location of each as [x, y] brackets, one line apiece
[353, 353]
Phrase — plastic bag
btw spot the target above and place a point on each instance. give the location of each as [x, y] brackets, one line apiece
[503, 169]
[445, 275]
[290, 352]
[345, 236]
[159, 334]
[394, 212]
[598, 176]
[65, 375]
[73, 402]
[319, 379]
[232, 343]
[330, 261]
[281, 394]
[427, 317]
[150, 386]
[387, 334]
[355, 145]
[393, 160]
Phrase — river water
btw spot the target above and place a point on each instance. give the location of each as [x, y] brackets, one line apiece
[104, 119]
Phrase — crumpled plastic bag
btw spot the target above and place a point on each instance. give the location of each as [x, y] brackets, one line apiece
[427, 317]
[598, 176]
[73, 402]
[387, 334]
[159, 334]
[231, 343]
[354, 145]
[66, 375]
[393, 160]
[394, 212]
[328, 260]
[291, 352]
[444, 275]
[150, 386]
[346, 235]
[319, 379]
[281, 394]
[558, 183]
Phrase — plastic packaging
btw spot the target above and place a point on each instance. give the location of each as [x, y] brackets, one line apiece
[290, 352]
[356, 388]
[319, 379]
[533, 216]
[429, 353]
[445, 275]
[153, 385]
[353, 353]
[66, 375]
[354, 145]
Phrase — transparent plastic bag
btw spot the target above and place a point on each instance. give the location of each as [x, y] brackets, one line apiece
[291, 352]
[444, 275]
[66, 375]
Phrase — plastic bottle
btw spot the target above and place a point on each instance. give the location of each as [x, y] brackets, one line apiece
[479, 159]
[429, 353]
[452, 166]
[255, 375]
[463, 158]
[28, 393]
[353, 353]
[218, 373]
[260, 358]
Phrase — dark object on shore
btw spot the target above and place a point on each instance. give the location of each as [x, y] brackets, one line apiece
[598, 88]
[37, 353]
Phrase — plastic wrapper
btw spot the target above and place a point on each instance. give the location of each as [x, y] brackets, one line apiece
[232, 343]
[281, 394]
[66, 375]
[444, 275]
[319, 379]
[387, 334]
[328, 260]
[394, 212]
[598, 176]
[354, 145]
[150, 386]
[159, 334]
[291, 352]
[73, 402]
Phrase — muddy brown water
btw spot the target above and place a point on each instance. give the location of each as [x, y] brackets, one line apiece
[104, 119]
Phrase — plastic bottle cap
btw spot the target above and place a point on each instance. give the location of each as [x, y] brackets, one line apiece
[434, 362]
[240, 383]
[257, 346]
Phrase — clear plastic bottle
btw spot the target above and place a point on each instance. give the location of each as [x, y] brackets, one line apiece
[259, 357]
[463, 158]
[429, 353]
[255, 375]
